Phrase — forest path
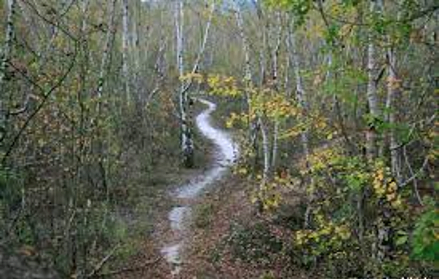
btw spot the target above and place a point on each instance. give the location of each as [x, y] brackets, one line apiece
[226, 152]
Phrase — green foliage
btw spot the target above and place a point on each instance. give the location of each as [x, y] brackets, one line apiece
[299, 8]
[11, 186]
[425, 243]
[346, 191]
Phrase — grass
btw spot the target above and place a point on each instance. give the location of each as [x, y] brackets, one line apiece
[204, 215]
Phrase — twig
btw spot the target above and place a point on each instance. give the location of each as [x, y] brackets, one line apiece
[414, 176]
[102, 262]
[415, 182]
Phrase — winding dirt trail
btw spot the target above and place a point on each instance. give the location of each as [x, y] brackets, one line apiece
[185, 195]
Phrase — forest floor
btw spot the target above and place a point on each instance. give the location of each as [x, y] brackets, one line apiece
[147, 261]
[146, 212]
[220, 214]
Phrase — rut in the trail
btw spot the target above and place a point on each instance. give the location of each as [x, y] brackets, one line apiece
[225, 155]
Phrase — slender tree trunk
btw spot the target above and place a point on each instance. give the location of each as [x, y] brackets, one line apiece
[383, 230]
[136, 50]
[275, 52]
[393, 94]
[275, 78]
[266, 150]
[107, 48]
[372, 96]
[205, 38]
[302, 100]
[287, 85]
[125, 48]
[245, 44]
[248, 79]
[186, 133]
[275, 144]
[300, 92]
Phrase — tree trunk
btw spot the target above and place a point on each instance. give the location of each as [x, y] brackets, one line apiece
[275, 78]
[266, 150]
[107, 48]
[205, 37]
[248, 79]
[125, 48]
[187, 145]
[275, 144]
[300, 92]
[302, 100]
[136, 51]
[372, 96]
[393, 94]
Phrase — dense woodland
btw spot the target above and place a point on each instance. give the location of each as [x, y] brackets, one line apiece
[333, 102]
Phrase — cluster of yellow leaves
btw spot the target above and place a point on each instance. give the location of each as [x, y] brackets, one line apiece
[292, 132]
[195, 77]
[234, 117]
[328, 232]
[270, 193]
[279, 107]
[433, 138]
[223, 85]
[321, 158]
[385, 187]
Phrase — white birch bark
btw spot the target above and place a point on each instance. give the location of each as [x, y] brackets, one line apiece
[383, 229]
[245, 44]
[107, 48]
[248, 77]
[393, 93]
[135, 46]
[372, 96]
[125, 47]
[186, 134]
[275, 77]
[300, 92]
[275, 144]
[266, 150]
[302, 100]
[276, 49]
[287, 86]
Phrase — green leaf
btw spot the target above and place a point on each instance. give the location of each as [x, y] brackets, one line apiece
[401, 240]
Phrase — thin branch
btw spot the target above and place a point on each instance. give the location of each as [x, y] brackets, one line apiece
[414, 176]
[415, 182]
[99, 266]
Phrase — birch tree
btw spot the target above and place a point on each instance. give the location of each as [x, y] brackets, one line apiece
[275, 57]
[248, 77]
[300, 91]
[187, 145]
[125, 47]
[109, 35]
[303, 104]
[372, 96]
